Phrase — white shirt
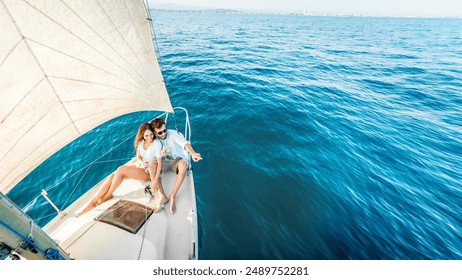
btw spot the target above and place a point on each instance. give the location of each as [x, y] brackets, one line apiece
[174, 144]
[153, 151]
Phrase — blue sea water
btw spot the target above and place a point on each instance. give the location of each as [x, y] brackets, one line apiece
[322, 137]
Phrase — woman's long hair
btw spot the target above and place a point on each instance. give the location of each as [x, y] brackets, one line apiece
[140, 134]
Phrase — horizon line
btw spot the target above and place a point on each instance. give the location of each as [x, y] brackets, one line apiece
[303, 13]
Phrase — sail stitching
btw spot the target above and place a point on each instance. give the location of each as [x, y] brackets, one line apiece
[93, 83]
[86, 43]
[151, 30]
[17, 44]
[48, 78]
[110, 19]
[100, 84]
[133, 108]
[36, 59]
[10, 52]
[10, 112]
[39, 65]
[81, 60]
[25, 131]
[88, 116]
[107, 43]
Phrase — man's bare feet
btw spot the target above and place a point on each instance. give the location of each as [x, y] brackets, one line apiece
[172, 205]
[161, 203]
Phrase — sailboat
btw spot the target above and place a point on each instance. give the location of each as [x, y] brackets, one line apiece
[67, 67]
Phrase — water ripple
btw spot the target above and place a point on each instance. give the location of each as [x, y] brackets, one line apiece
[322, 138]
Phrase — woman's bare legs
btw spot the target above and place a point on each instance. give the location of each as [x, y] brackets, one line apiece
[96, 200]
[111, 184]
[124, 172]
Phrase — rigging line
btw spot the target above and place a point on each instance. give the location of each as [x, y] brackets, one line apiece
[83, 176]
[145, 226]
[154, 37]
[75, 173]
[113, 160]
[43, 217]
[102, 38]
[113, 148]
[174, 121]
[188, 128]
[135, 25]
[54, 186]
[41, 155]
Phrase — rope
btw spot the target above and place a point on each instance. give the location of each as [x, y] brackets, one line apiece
[83, 176]
[154, 37]
[28, 243]
[33, 201]
[31, 229]
[72, 192]
[174, 121]
[13, 231]
[46, 216]
[145, 227]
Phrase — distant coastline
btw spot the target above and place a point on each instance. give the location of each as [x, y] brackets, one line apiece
[300, 13]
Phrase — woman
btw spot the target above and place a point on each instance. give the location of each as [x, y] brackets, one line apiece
[147, 167]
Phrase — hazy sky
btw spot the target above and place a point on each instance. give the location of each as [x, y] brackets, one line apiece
[369, 7]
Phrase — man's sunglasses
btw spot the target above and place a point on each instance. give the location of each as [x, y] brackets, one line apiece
[161, 132]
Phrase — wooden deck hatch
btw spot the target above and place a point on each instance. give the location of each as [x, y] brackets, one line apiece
[127, 215]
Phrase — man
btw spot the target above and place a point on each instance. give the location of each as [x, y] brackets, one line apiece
[175, 149]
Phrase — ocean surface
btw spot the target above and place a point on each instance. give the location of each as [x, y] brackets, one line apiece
[322, 137]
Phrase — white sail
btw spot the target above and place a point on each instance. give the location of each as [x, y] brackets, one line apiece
[67, 66]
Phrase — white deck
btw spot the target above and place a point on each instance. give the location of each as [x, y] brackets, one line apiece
[163, 236]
